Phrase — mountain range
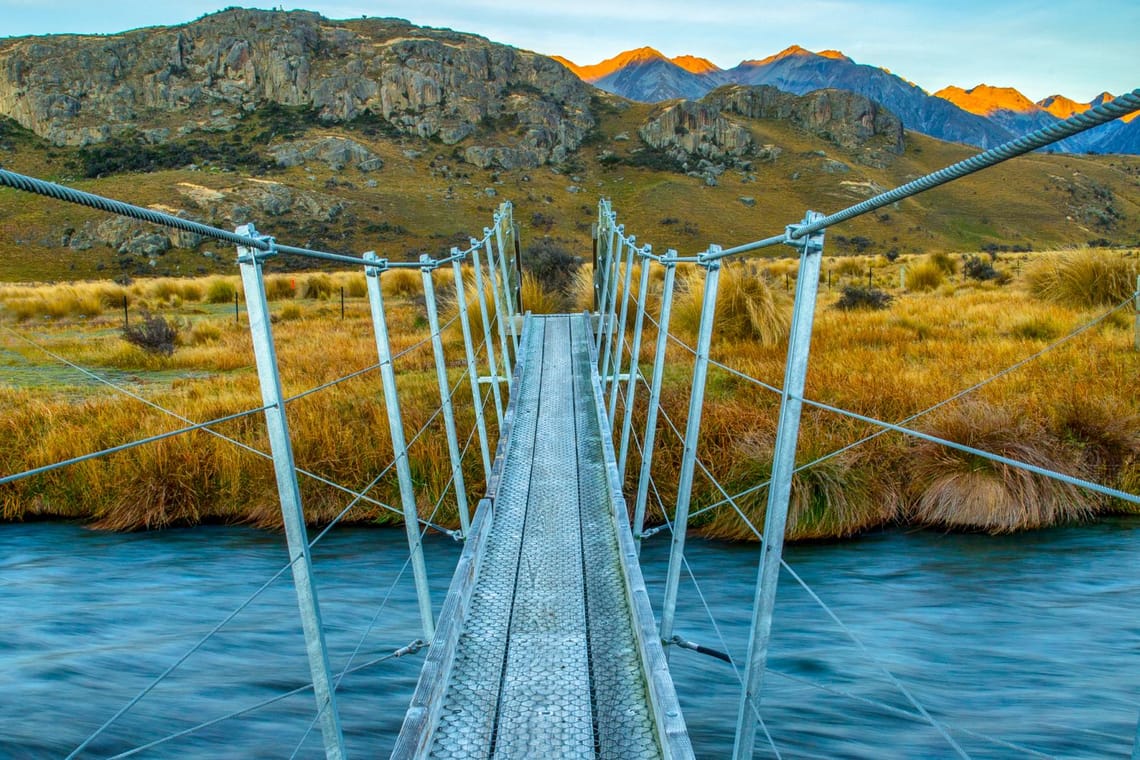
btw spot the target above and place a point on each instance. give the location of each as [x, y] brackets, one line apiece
[983, 116]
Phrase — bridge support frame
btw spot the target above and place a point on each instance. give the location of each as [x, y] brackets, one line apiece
[399, 443]
[692, 434]
[647, 445]
[502, 219]
[504, 314]
[610, 378]
[634, 358]
[427, 266]
[472, 371]
[292, 512]
[492, 366]
[780, 488]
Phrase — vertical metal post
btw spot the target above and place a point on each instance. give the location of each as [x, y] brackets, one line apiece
[779, 491]
[689, 456]
[609, 303]
[399, 444]
[1136, 308]
[492, 367]
[472, 373]
[500, 310]
[292, 513]
[634, 368]
[619, 336]
[607, 273]
[427, 266]
[670, 264]
[508, 296]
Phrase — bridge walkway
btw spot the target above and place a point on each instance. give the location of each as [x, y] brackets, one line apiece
[546, 646]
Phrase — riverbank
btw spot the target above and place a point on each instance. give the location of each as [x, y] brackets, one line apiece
[1072, 409]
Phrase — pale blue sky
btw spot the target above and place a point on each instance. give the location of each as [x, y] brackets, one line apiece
[1074, 47]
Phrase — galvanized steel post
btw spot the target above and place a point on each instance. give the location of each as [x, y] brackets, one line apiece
[619, 337]
[634, 368]
[508, 296]
[779, 491]
[609, 303]
[670, 264]
[501, 316]
[481, 294]
[607, 274]
[277, 426]
[1136, 308]
[692, 434]
[472, 374]
[427, 266]
[399, 444]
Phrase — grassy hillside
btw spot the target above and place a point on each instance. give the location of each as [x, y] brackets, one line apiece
[426, 198]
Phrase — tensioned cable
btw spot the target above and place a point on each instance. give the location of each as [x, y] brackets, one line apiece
[387, 596]
[898, 684]
[410, 649]
[966, 391]
[1075, 124]
[127, 446]
[239, 444]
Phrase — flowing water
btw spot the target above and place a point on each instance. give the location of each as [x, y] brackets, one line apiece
[1029, 642]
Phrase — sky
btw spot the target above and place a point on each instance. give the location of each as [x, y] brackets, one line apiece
[1077, 48]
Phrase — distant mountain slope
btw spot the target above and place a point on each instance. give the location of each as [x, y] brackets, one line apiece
[983, 116]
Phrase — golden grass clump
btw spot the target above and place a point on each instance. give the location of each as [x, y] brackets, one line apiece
[401, 282]
[53, 302]
[538, 299]
[316, 286]
[943, 261]
[925, 275]
[220, 290]
[1106, 433]
[956, 490]
[1085, 278]
[746, 308]
[280, 286]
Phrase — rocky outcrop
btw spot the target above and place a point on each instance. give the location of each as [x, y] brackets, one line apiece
[843, 118]
[334, 152]
[208, 74]
[695, 129]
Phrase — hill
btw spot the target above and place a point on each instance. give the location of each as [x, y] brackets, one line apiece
[374, 134]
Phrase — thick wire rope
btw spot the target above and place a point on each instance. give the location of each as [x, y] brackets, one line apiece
[1093, 117]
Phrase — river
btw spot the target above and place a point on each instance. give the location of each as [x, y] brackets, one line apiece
[1011, 643]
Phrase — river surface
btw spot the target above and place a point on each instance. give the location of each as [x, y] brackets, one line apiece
[1029, 642]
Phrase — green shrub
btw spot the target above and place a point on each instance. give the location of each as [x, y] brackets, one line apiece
[858, 297]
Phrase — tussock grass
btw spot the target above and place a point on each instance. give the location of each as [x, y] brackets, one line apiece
[537, 299]
[221, 290]
[953, 489]
[746, 307]
[401, 282]
[925, 275]
[1084, 278]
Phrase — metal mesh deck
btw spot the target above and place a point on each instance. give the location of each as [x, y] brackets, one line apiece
[547, 663]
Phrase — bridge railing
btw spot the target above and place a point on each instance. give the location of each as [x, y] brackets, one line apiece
[618, 256]
[488, 270]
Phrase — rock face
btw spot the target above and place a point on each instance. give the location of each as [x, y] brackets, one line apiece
[206, 75]
[335, 152]
[700, 135]
[846, 119]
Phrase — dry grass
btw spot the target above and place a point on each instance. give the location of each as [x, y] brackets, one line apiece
[746, 307]
[925, 276]
[1074, 408]
[1085, 278]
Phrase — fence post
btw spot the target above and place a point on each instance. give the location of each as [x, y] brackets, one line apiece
[494, 378]
[472, 373]
[500, 309]
[1136, 309]
[779, 491]
[427, 266]
[670, 264]
[277, 426]
[634, 368]
[692, 434]
[399, 445]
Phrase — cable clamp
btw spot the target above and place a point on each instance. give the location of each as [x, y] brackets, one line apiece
[412, 648]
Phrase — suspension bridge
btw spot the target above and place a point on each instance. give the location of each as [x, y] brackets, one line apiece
[547, 643]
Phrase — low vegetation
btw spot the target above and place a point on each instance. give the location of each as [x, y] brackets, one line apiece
[1073, 409]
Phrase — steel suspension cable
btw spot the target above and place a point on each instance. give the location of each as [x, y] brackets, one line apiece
[1093, 117]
